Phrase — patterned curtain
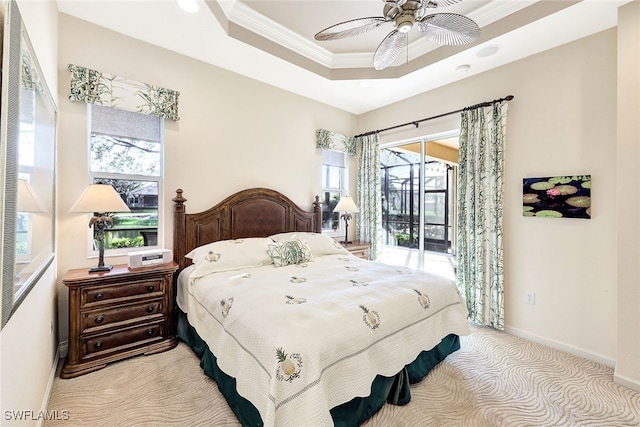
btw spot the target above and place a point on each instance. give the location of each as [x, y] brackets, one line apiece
[328, 140]
[93, 87]
[369, 219]
[480, 275]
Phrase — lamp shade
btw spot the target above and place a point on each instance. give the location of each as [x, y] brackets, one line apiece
[346, 204]
[99, 198]
[27, 200]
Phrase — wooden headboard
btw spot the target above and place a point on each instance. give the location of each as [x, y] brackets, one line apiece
[256, 212]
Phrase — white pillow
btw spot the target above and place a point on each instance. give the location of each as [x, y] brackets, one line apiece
[227, 255]
[318, 242]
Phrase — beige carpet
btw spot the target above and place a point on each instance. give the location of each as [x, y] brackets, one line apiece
[495, 379]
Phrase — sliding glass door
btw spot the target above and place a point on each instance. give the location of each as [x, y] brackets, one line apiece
[417, 205]
[400, 197]
[437, 206]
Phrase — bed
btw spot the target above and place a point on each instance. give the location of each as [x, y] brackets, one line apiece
[296, 330]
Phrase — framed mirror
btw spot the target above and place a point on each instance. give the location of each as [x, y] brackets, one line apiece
[27, 155]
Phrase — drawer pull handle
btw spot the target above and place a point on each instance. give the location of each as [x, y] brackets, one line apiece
[98, 345]
[99, 295]
[150, 288]
[150, 332]
[99, 319]
[150, 309]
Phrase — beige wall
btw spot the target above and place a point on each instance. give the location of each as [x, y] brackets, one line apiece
[562, 121]
[28, 341]
[234, 133]
[628, 197]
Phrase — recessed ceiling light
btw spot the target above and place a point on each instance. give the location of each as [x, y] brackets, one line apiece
[488, 51]
[463, 69]
[188, 5]
[364, 83]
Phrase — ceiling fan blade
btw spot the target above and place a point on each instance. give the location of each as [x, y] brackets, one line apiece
[426, 6]
[396, 2]
[350, 28]
[439, 3]
[449, 29]
[389, 50]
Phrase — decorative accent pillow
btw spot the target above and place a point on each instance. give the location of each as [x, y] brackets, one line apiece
[289, 252]
[227, 255]
[318, 242]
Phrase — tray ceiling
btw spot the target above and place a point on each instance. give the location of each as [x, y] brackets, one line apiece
[272, 41]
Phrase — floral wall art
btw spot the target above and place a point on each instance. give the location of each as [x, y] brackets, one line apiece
[557, 197]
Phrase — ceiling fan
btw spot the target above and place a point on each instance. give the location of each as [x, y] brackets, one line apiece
[443, 28]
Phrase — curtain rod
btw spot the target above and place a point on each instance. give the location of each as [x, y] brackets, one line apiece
[415, 122]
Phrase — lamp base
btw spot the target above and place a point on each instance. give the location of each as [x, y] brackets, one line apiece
[346, 242]
[97, 269]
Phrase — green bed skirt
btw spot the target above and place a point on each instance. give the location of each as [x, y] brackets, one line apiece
[394, 390]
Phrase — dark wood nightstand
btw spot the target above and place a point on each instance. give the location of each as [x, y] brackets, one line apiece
[118, 314]
[359, 249]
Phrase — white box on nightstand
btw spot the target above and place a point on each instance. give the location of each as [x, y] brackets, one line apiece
[150, 257]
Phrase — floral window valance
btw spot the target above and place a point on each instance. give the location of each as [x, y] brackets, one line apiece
[328, 140]
[93, 87]
[30, 80]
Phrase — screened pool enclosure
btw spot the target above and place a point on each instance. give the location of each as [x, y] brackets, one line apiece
[404, 223]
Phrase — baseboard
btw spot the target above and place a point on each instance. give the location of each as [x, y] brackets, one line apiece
[47, 392]
[563, 347]
[626, 382]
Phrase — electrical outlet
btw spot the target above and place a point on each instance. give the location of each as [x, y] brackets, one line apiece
[51, 327]
[530, 297]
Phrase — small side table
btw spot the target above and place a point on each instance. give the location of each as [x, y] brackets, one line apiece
[359, 249]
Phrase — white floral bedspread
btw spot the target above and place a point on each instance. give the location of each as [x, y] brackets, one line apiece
[303, 339]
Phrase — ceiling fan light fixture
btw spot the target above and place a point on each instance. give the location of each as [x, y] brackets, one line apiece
[404, 23]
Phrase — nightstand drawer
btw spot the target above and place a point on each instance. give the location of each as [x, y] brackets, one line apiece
[122, 340]
[141, 289]
[99, 319]
[359, 249]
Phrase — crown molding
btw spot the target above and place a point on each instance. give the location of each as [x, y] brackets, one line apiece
[241, 14]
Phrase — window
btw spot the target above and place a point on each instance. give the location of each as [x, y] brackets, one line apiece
[126, 151]
[334, 185]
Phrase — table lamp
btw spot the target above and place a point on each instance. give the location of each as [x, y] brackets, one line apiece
[347, 206]
[100, 199]
[27, 200]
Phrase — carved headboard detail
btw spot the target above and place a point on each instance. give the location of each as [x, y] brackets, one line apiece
[256, 212]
